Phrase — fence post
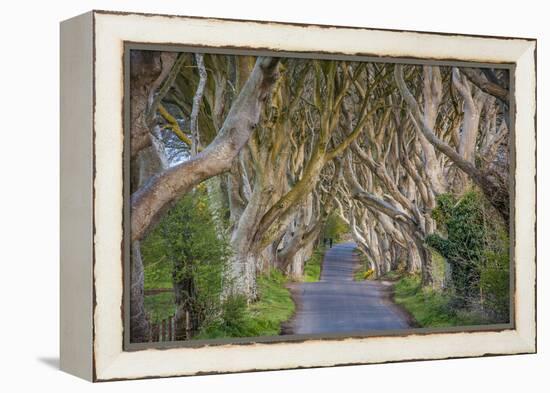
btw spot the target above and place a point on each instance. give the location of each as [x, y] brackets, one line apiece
[187, 325]
[173, 324]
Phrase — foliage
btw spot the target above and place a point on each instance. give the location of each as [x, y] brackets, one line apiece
[186, 249]
[335, 228]
[275, 306]
[476, 247]
[262, 318]
[431, 308]
[495, 285]
[160, 306]
[312, 268]
[157, 274]
[439, 270]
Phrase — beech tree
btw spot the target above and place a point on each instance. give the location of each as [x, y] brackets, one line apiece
[153, 196]
[493, 186]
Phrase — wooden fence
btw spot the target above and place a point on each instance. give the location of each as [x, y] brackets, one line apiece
[165, 330]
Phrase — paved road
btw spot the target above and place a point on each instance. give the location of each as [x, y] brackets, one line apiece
[337, 304]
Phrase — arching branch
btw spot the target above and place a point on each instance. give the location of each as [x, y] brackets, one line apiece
[162, 189]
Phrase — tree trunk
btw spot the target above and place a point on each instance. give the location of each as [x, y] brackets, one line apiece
[432, 99]
[184, 293]
[148, 69]
[139, 324]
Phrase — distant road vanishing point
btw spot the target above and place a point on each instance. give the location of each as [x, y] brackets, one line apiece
[338, 304]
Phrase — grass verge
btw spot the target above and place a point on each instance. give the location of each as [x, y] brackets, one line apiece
[262, 318]
[312, 268]
[430, 308]
[275, 305]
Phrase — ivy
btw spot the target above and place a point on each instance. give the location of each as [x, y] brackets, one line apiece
[474, 242]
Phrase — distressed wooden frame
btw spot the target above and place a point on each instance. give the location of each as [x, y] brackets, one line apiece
[92, 155]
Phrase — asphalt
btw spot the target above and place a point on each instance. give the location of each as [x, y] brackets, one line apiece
[337, 304]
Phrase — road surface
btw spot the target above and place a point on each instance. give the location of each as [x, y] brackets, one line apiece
[337, 304]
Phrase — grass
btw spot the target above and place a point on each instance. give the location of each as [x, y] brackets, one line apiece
[262, 318]
[275, 305]
[265, 316]
[312, 268]
[430, 308]
[393, 275]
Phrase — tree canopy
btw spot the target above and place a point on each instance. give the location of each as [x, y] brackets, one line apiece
[284, 147]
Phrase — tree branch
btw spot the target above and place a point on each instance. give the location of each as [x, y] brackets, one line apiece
[148, 202]
[477, 77]
[496, 193]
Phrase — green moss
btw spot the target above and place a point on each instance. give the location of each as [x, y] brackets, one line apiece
[312, 268]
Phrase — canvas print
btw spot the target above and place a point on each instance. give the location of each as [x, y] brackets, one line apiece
[311, 197]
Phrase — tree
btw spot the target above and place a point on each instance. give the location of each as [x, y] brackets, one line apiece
[494, 188]
[151, 199]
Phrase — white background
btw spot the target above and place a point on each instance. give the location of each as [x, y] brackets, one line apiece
[29, 196]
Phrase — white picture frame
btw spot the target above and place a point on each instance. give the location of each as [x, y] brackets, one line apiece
[92, 146]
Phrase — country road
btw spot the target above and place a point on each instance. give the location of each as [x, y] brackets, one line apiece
[337, 304]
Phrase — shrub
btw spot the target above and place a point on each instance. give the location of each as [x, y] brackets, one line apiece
[474, 241]
[495, 286]
[186, 252]
[262, 318]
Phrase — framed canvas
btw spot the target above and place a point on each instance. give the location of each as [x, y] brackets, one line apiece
[246, 195]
